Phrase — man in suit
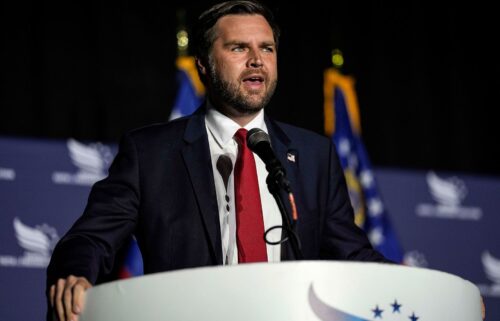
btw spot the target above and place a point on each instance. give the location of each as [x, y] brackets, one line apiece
[170, 188]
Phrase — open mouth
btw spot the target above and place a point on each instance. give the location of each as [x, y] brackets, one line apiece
[256, 79]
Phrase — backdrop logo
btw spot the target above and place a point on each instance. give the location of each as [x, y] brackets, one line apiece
[7, 174]
[91, 160]
[37, 242]
[448, 193]
[491, 266]
[389, 311]
[415, 258]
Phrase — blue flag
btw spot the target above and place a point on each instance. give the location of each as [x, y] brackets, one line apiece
[190, 96]
[132, 265]
[342, 123]
[191, 92]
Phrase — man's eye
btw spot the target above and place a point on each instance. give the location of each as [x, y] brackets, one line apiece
[268, 49]
[237, 49]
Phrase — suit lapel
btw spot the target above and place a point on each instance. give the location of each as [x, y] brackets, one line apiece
[287, 155]
[196, 156]
[289, 158]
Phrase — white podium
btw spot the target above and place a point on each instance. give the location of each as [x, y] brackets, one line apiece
[306, 290]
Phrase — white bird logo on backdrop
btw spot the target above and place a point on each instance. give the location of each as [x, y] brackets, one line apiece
[92, 161]
[491, 267]
[39, 240]
[449, 192]
[88, 159]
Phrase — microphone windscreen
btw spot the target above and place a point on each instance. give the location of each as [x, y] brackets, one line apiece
[255, 136]
[224, 167]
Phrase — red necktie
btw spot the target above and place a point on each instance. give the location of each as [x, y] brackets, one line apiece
[249, 220]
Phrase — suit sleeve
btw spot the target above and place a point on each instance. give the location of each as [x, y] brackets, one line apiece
[342, 239]
[111, 214]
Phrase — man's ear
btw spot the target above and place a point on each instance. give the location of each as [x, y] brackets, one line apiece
[201, 68]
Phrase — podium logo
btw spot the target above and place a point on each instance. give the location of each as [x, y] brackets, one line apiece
[7, 174]
[491, 266]
[37, 242]
[390, 311]
[448, 193]
[91, 160]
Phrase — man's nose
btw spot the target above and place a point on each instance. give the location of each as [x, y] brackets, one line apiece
[254, 60]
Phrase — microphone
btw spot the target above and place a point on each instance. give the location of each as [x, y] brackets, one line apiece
[260, 143]
[224, 167]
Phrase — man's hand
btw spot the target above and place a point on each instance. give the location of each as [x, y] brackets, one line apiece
[67, 297]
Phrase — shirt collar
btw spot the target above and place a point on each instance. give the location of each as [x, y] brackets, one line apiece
[223, 128]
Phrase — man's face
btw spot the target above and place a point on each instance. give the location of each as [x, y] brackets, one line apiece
[242, 71]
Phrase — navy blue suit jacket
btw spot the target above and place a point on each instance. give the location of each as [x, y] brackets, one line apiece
[161, 188]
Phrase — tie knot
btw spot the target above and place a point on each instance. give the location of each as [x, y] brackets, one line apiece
[241, 137]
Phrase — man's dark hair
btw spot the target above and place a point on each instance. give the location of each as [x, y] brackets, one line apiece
[204, 35]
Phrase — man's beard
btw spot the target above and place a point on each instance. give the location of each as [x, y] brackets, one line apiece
[229, 95]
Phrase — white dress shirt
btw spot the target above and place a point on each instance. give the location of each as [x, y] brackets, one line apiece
[220, 130]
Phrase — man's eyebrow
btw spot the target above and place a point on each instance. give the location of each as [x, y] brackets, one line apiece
[236, 42]
[268, 44]
[245, 43]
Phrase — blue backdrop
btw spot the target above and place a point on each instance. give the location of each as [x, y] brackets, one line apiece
[444, 221]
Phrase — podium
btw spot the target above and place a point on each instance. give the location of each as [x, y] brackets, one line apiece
[305, 290]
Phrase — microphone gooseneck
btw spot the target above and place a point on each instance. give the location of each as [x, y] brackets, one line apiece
[260, 143]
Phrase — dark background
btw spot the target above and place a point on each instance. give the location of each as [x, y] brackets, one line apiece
[427, 77]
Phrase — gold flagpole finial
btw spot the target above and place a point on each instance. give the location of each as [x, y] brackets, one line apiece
[182, 34]
[337, 58]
